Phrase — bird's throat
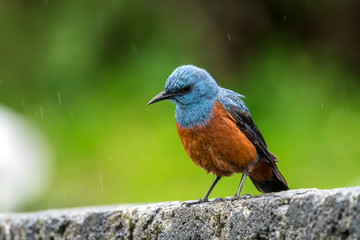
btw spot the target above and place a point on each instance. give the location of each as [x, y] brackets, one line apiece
[194, 115]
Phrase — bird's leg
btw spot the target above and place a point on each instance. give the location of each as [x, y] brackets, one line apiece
[242, 181]
[205, 197]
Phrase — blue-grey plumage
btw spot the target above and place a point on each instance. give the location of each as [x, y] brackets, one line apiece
[194, 108]
[217, 131]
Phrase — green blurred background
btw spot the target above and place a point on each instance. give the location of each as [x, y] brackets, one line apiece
[92, 66]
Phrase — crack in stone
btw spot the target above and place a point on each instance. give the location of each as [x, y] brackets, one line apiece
[62, 228]
[151, 219]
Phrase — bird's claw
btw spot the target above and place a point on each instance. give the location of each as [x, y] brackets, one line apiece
[188, 204]
[244, 196]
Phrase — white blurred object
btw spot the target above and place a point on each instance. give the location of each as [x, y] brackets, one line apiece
[24, 161]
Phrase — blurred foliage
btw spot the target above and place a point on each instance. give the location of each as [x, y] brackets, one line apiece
[92, 66]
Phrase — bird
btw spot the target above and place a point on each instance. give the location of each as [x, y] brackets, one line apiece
[217, 131]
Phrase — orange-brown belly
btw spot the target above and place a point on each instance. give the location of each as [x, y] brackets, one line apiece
[220, 147]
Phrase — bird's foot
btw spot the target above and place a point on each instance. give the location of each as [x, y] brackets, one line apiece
[244, 196]
[201, 200]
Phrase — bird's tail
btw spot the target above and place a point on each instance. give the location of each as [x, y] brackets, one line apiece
[266, 176]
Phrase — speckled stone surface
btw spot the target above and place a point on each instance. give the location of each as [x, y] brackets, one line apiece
[295, 214]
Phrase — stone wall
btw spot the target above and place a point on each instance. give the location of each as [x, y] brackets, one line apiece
[295, 214]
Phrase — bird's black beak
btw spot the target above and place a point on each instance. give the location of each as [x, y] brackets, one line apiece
[161, 96]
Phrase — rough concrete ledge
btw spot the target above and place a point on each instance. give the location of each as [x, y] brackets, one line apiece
[295, 214]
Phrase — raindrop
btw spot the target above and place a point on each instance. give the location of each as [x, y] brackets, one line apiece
[110, 158]
[229, 37]
[41, 113]
[322, 105]
[59, 99]
[284, 17]
[1, 83]
[102, 187]
[46, 2]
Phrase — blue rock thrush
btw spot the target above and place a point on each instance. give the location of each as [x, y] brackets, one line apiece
[217, 131]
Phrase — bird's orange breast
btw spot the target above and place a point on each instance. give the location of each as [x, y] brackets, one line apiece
[219, 147]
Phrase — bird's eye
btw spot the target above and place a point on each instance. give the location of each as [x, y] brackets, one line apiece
[186, 89]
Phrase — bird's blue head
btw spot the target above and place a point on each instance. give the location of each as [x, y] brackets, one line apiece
[188, 85]
[193, 91]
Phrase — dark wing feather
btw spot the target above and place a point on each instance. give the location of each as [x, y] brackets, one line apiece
[246, 124]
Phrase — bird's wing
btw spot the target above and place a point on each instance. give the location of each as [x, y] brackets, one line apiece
[246, 124]
[237, 109]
